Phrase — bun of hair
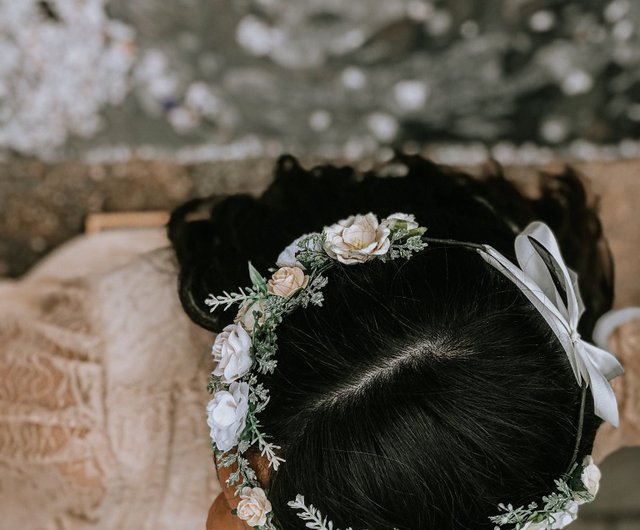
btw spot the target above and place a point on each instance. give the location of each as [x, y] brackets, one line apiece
[423, 392]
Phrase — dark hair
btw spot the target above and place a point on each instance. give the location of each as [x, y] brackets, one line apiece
[423, 392]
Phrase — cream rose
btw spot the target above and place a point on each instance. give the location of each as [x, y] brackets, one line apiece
[232, 353]
[590, 475]
[286, 281]
[401, 220]
[245, 314]
[227, 415]
[253, 506]
[357, 239]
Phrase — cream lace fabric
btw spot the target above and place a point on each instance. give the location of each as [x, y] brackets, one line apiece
[102, 385]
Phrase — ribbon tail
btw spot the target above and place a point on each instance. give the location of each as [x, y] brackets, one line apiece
[604, 361]
[604, 399]
[597, 367]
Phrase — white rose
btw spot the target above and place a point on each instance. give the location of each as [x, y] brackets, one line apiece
[286, 281]
[562, 519]
[357, 239]
[401, 220]
[287, 257]
[227, 415]
[590, 475]
[253, 506]
[245, 314]
[232, 353]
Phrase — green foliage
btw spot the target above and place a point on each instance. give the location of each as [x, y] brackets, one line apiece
[568, 490]
[313, 517]
[229, 299]
[311, 254]
[257, 280]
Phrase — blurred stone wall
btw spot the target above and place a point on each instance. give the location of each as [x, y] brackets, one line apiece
[44, 205]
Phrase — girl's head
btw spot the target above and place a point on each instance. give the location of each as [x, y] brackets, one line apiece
[422, 393]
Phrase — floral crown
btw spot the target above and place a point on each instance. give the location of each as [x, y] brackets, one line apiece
[247, 348]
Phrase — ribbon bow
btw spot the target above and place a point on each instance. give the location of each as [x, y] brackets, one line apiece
[538, 254]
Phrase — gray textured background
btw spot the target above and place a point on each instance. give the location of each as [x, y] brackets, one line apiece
[513, 79]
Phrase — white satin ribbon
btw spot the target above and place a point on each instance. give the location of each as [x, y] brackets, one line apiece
[590, 364]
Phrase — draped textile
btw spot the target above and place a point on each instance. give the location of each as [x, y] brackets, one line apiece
[102, 386]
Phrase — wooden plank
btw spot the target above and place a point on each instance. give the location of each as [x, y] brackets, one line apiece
[98, 222]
